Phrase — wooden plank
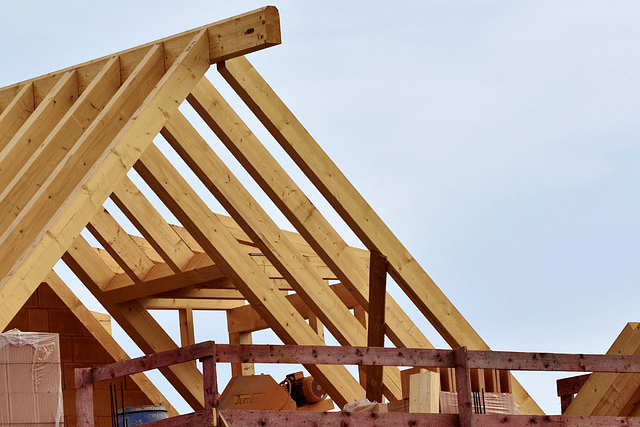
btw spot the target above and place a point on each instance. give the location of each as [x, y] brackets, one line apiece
[16, 114]
[189, 304]
[160, 359]
[342, 419]
[598, 391]
[238, 35]
[105, 339]
[199, 292]
[248, 213]
[152, 225]
[38, 168]
[298, 209]
[357, 213]
[424, 392]
[135, 263]
[46, 244]
[220, 245]
[36, 128]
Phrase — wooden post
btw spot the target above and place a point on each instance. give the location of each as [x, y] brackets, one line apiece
[84, 397]
[210, 379]
[463, 384]
[375, 331]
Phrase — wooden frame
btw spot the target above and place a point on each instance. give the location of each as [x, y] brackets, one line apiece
[461, 359]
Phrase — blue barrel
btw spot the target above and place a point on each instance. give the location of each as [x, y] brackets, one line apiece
[137, 415]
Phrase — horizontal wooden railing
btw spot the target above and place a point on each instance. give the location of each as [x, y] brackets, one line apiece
[210, 353]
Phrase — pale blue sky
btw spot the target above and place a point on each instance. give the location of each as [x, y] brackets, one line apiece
[498, 140]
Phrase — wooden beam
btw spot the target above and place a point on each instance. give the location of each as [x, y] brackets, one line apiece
[86, 186]
[238, 35]
[37, 169]
[220, 245]
[356, 212]
[16, 114]
[135, 263]
[152, 225]
[298, 209]
[141, 327]
[105, 339]
[190, 304]
[198, 292]
[39, 124]
[375, 331]
[248, 213]
[187, 331]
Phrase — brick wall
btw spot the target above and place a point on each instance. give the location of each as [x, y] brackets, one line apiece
[45, 312]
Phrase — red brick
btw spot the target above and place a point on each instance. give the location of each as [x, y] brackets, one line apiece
[20, 321]
[66, 349]
[70, 421]
[64, 322]
[88, 350]
[38, 319]
[48, 298]
[136, 398]
[102, 403]
[68, 374]
[69, 402]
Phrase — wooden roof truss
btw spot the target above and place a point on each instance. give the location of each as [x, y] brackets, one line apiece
[71, 140]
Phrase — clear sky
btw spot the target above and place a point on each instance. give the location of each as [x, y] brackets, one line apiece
[497, 139]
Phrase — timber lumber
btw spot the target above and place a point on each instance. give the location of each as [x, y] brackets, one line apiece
[134, 319]
[298, 209]
[355, 211]
[152, 225]
[155, 79]
[237, 265]
[16, 114]
[131, 258]
[238, 35]
[605, 393]
[236, 200]
[104, 338]
[42, 233]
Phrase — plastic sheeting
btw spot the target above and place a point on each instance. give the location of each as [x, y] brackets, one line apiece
[30, 378]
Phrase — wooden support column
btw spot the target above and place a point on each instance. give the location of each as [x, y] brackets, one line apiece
[84, 397]
[187, 332]
[375, 332]
[463, 384]
[240, 369]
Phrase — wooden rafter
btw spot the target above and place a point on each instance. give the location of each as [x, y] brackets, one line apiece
[133, 318]
[261, 228]
[220, 245]
[298, 209]
[152, 225]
